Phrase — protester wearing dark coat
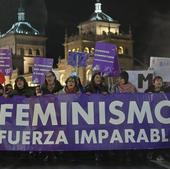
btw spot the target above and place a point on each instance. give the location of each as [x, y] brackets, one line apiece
[96, 85]
[157, 86]
[21, 88]
[51, 85]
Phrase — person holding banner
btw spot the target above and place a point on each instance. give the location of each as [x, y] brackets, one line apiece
[79, 84]
[124, 86]
[51, 85]
[21, 88]
[96, 84]
[157, 86]
[71, 86]
[38, 91]
[8, 90]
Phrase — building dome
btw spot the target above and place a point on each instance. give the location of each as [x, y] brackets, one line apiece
[23, 27]
[98, 15]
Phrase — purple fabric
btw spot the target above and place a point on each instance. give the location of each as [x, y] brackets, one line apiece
[41, 66]
[6, 62]
[105, 59]
[85, 122]
[77, 59]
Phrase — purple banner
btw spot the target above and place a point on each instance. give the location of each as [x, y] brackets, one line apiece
[85, 122]
[105, 59]
[6, 62]
[77, 59]
[41, 66]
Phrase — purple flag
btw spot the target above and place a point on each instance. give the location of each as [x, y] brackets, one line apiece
[41, 66]
[106, 59]
[77, 59]
[6, 62]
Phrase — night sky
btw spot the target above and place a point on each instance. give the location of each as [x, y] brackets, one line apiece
[149, 20]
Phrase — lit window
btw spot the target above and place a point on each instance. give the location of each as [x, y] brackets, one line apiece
[120, 50]
[92, 51]
[86, 49]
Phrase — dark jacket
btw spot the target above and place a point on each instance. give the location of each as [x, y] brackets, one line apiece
[56, 89]
[23, 92]
[91, 88]
[151, 89]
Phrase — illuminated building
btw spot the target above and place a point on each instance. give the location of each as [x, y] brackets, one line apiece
[99, 27]
[25, 42]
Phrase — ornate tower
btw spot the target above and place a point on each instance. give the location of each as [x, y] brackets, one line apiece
[25, 42]
[99, 27]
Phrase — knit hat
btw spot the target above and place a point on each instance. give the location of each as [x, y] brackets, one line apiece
[124, 75]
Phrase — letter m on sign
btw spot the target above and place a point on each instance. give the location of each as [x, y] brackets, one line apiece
[142, 78]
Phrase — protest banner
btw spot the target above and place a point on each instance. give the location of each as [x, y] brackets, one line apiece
[41, 66]
[142, 79]
[82, 122]
[6, 62]
[161, 67]
[106, 59]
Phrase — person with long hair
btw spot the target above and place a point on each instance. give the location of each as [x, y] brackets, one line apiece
[51, 85]
[21, 88]
[96, 84]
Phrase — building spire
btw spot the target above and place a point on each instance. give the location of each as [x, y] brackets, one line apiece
[98, 8]
[21, 12]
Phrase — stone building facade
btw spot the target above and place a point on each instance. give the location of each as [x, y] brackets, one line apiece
[25, 42]
[99, 28]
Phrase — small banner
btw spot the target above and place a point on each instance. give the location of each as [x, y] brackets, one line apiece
[106, 59]
[85, 122]
[141, 79]
[6, 62]
[161, 67]
[41, 66]
[77, 59]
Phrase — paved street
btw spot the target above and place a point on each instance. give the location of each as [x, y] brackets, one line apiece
[21, 162]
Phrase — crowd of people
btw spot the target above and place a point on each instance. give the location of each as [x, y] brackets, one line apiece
[73, 85]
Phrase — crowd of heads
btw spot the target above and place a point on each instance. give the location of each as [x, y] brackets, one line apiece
[73, 85]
